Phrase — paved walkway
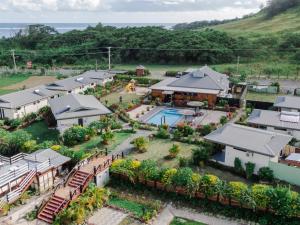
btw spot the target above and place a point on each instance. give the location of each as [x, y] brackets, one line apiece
[107, 216]
[168, 214]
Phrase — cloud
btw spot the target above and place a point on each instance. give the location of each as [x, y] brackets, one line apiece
[126, 5]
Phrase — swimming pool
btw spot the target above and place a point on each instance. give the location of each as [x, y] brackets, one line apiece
[165, 116]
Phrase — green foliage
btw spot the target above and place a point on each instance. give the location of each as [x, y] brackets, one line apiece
[141, 144]
[93, 198]
[206, 129]
[162, 133]
[276, 7]
[238, 166]
[259, 194]
[75, 135]
[183, 130]
[174, 150]
[201, 155]
[107, 137]
[149, 170]
[249, 169]
[266, 174]
[223, 120]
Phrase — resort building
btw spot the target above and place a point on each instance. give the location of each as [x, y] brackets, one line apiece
[80, 83]
[287, 103]
[281, 122]
[37, 170]
[20, 103]
[203, 84]
[75, 109]
[248, 144]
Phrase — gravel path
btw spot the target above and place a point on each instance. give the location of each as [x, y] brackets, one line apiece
[107, 216]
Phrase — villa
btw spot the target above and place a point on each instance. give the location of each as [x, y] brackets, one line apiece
[20, 103]
[22, 171]
[249, 145]
[203, 84]
[75, 109]
[281, 122]
[287, 103]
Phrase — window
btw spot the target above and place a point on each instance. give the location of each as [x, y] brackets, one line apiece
[2, 116]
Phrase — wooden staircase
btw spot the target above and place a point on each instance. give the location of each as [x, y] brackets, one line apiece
[79, 179]
[53, 206]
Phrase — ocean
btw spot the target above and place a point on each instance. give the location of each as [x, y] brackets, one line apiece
[10, 29]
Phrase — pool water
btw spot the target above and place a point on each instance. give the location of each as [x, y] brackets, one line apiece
[166, 116]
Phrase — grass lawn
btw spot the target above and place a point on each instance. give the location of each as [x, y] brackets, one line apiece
[158, 149]
[6, 80]
[181, 221]
[114, 98]
[95, 142]
[40, 132]
[4, 91]
[131, 206]
[261, 97]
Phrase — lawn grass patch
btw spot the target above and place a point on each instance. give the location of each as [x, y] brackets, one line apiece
[182, 221]
[40, 132]
[158, 150]
[4, 91]
[136, 208]
[9, 79]
[114, 98]
[95, 143]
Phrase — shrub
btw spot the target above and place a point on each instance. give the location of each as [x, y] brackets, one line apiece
[249, 169]
[259, 194]
[55, 147]
[75, 135]
[208, 184]
[266, 174]
[140, 144]
[237, 189]
[206, 129]
[183, 162]
[29, 146]
[107, 137]
[14, 123]
[223, 120]
[149, 170]
[30, 117]
[162, 133]
[171, 73]
[174, 150]
[201, 155]
[168, 175]
[238, 166]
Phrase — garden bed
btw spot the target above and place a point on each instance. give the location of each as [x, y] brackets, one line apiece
[182, 221]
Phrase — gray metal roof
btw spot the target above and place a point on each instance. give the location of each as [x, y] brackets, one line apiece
[25, 97]
[42, 155]
[271, 118]
[76, 106]
[250, 139]
[86, 78]
[202, 80]
[292, 102]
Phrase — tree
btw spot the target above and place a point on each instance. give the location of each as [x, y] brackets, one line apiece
[274, 7]
[249, 169]
[201, 155]
[238, 166]
[140, 144]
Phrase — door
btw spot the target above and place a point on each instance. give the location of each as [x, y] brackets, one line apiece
[80, 122]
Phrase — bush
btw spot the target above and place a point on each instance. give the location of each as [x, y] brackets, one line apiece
[174, 150]
[75, 135]
[171, 73]
[183, 162]
[140, 144]
[249, 169]
[201, 155]
[206, 129]
[223, 120]
[266, 174]
[162, 133]
[238, 166]
[107, 137]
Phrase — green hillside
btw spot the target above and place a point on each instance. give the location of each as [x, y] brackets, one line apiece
[288, 21]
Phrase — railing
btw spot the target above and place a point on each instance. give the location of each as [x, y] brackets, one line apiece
[12, 175]
[43, 166]
[13, 159]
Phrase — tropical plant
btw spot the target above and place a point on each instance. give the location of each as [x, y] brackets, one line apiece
[174, 150]
[75, 135]
[140, 144]
[201, 155]
[266, 174]
[149, 170]
[259, 194]
[208, 184]
[249, 169]
[206, 129]
[107, 136]
[168, 175]
[223, 120]
[162, 133]
[237, 190]
[238, 166]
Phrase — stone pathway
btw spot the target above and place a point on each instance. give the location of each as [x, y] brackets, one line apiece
[107, 216]
[168, 214]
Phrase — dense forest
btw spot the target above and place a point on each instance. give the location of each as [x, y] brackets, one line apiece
[45, 46]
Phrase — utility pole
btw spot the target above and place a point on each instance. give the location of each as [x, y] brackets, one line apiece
[109, 55]
[237, 65]
[14, 59]
[96, 65]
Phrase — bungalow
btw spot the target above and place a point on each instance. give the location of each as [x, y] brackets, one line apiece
[75, 109]
[248, 144]
[203, 84]
[287, 103]
[22, 171]
[82, 82]
[281, 122]
[20, 103]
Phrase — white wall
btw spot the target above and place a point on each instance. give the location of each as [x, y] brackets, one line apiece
[258, 159]
[62, 125]
[102, 178]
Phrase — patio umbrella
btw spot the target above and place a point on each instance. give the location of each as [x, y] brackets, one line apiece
[196, 105]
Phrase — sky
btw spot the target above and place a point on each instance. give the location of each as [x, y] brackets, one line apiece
[123, 11]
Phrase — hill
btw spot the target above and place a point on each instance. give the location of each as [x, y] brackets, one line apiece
[288, 21]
